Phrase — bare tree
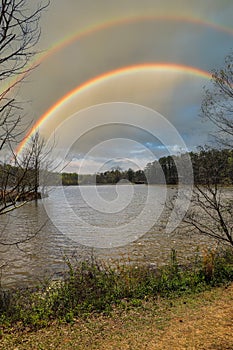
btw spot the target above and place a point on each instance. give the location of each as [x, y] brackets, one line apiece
[19, 34]
[217, 105]
[20, 180]
[211, 212]
[33, 156]
[39, 164]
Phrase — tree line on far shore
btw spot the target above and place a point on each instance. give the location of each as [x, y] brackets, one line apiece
[112, 176]
[210, 166]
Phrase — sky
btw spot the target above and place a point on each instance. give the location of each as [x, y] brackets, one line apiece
[92, 42]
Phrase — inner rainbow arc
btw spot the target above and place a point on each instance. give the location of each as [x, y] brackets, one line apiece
[126, 70]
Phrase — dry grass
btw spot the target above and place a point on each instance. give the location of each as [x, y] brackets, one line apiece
[203, 321]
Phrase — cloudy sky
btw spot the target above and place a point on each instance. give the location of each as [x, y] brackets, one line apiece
[165, 44]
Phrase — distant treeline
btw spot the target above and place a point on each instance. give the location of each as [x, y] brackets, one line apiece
[108, 177]
[208, 166]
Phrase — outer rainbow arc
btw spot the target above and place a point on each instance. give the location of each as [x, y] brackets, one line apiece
[132, 19]
[115, 22]
[108, 75]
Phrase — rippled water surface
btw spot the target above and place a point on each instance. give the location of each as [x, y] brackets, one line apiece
[67, 236]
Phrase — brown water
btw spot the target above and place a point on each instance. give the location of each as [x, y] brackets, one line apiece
[43, 256]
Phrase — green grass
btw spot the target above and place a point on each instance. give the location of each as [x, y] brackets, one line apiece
[92, 287]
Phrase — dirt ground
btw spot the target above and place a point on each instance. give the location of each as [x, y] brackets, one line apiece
[204, 321]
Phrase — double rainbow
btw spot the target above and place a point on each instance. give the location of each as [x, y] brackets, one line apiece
[127, 70]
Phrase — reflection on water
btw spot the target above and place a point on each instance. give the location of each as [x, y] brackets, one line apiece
[43, 255]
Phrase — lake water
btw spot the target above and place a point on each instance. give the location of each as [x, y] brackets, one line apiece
[111, 224]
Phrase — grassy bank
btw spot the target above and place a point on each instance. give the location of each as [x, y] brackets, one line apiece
[93, 288]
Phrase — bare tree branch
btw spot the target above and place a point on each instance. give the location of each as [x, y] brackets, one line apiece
[19, 35]
[217, 105]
